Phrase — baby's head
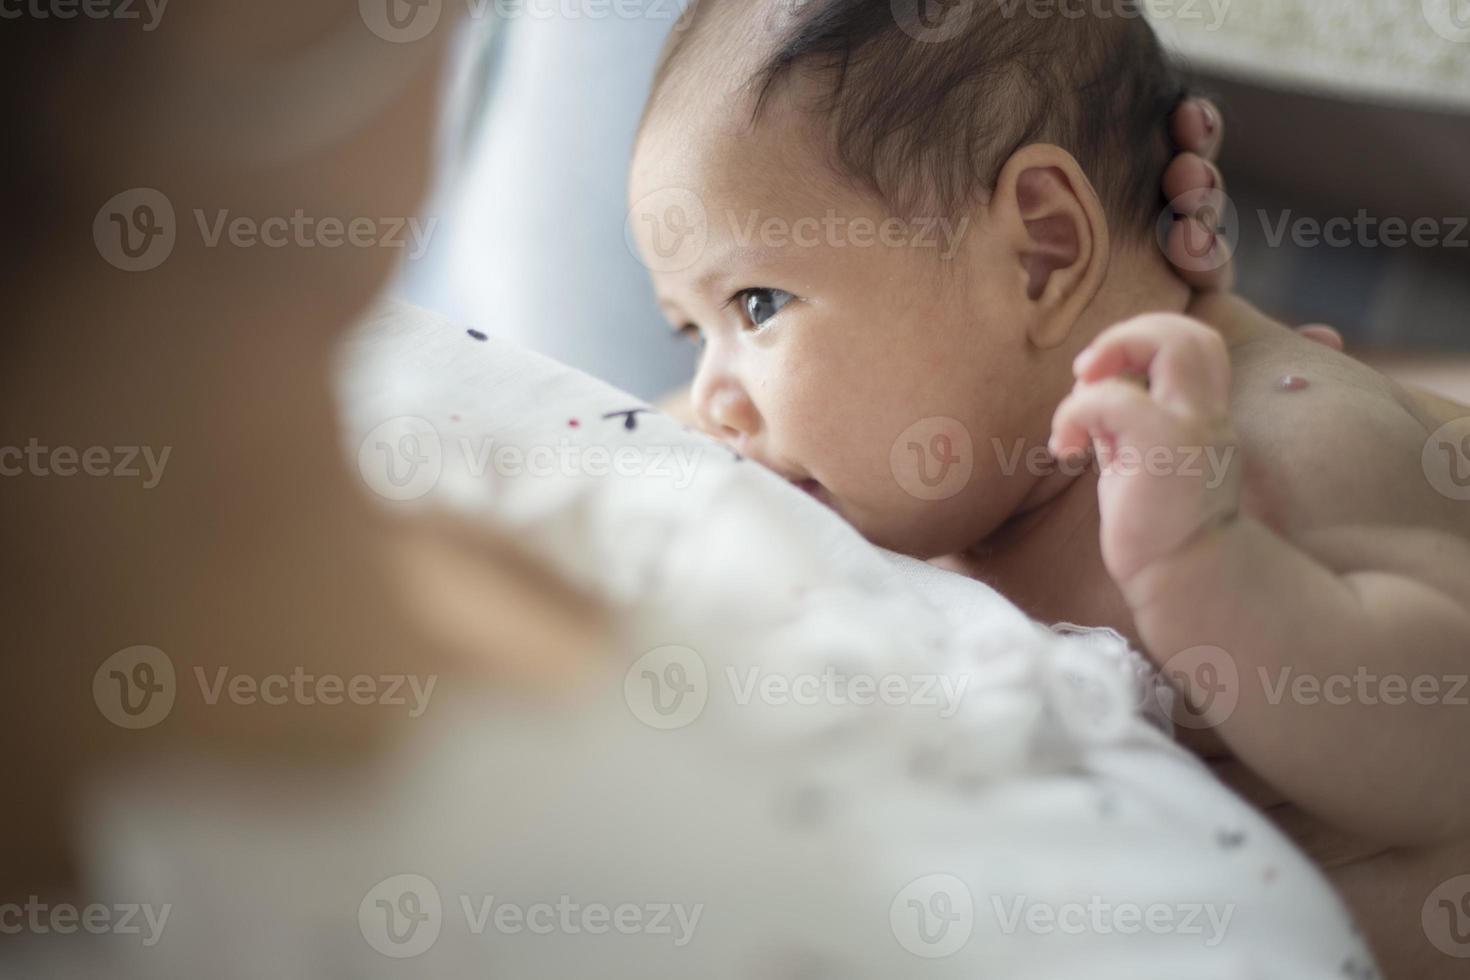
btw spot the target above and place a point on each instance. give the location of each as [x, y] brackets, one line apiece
[894, 234]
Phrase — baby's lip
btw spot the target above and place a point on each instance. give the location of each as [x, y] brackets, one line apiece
[806, 484]
[813, 489]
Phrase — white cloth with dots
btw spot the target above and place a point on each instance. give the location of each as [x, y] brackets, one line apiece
[1003, 810]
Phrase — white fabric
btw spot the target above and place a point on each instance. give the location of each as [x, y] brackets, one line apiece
[1031, 827]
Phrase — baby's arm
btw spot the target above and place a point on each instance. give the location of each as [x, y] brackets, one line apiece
[1197, 573]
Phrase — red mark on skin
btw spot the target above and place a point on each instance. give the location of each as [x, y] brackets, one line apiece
[1292, 382]
[573, 423]
[1269, 875]
[454, 418]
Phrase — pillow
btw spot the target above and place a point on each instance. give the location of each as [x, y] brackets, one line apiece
[857, 766]
[695, 809]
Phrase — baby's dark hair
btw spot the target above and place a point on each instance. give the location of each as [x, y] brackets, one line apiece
[925, 115]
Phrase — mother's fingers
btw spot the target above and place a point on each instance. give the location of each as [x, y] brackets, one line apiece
[1198, 127]
[1324, 335]
[1193, 183]
[1200, 256]
[1196, 192]
[1191, 172]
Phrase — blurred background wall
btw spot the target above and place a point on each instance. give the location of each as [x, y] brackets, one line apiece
[530, 244]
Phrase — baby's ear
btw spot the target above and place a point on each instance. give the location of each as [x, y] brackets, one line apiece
[1059, 237]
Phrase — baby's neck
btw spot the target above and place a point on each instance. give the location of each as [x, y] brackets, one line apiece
[1140, 281]
[1046, 554]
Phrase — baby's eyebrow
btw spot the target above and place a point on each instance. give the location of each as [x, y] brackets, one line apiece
[720, 267]
[736, 256]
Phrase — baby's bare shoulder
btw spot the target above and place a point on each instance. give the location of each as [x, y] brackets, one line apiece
[1335, 462]
[1328, 441]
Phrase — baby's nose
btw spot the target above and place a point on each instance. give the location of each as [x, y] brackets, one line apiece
[729, 414]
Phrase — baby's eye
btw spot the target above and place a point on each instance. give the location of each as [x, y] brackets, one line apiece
[761, 304]
[690, 332]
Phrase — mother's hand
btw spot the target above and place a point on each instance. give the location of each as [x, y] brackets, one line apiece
[1198, 129]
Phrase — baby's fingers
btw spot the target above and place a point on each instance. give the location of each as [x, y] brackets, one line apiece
[1186, 362]
[1108, 413]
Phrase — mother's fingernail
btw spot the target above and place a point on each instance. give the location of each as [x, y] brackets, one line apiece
[1210, 121]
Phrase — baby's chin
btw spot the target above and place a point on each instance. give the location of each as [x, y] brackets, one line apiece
[916, 531]
[919, 529]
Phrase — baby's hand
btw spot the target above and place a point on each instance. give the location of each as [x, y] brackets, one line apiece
[1169, 471]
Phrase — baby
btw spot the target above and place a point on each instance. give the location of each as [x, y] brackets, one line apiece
[919, 248]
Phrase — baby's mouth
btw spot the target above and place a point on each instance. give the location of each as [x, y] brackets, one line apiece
[813, 489]
[807, 485]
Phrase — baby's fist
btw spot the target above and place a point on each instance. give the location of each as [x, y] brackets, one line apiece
[1167, 452]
